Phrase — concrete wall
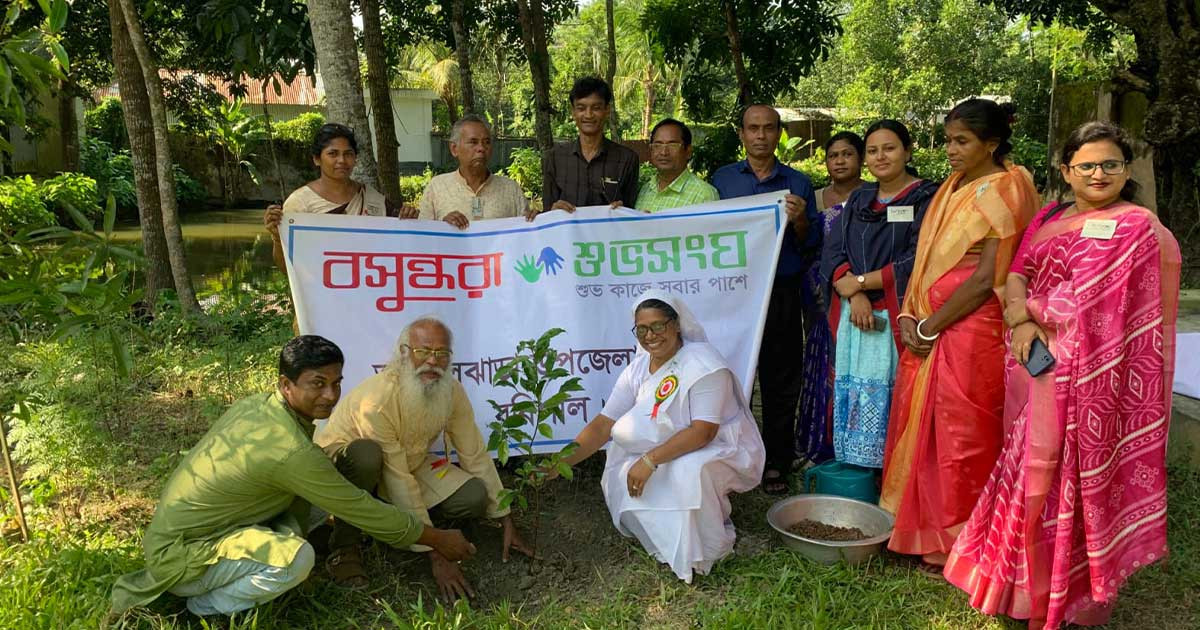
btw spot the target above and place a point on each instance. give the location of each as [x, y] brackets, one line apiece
[502, 149]
[412, 116]
[43, 156]
[1075, 104]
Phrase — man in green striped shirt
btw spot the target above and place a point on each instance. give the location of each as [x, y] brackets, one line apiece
[675, 185]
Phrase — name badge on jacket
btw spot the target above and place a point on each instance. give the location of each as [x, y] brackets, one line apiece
[1102, 229]
[900, 214]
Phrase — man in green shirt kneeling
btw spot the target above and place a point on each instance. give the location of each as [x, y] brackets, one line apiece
[228, 532]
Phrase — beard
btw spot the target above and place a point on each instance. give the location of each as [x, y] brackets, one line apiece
[432, 400]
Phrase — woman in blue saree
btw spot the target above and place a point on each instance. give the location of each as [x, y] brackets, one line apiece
[867, 260]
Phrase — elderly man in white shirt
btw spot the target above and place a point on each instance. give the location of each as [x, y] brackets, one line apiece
[472, 192]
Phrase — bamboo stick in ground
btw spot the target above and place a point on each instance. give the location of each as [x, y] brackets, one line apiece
[16, 487]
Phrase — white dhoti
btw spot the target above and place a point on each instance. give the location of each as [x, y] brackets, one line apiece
[682, 516]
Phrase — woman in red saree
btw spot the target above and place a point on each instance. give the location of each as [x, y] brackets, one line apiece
[944, 429]
[1077, 501]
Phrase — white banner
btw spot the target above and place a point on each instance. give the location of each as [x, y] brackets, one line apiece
[359, 280]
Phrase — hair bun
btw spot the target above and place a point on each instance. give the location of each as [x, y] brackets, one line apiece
[1010, 110]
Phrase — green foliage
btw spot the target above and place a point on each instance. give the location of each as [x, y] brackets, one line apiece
[1033, 155]
[531, 374]
[525, 168]
[912, 59]
[106, 123]
[698, 29]
[931, 164]
[189, 192]
[231, 133]
[113, 173]
[29, 59]
[299, 130]
[789, 148]
[71, 190]
[413, 186]
[22, 205]
[814, 167]
[646, 174]
[719, 147]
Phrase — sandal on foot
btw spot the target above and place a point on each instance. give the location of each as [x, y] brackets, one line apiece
[345, 566]
[774, 482]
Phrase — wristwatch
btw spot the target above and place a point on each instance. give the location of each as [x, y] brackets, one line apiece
[862, 281]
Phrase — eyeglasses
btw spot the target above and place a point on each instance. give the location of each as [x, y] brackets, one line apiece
[423, 354]
[656, 328]
[1108, 167]
[669, 147]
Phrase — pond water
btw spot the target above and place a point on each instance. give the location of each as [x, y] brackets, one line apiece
[224, 247]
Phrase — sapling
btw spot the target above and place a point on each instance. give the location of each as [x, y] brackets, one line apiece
[532, 374]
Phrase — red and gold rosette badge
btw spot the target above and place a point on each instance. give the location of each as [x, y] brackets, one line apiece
[665, 388]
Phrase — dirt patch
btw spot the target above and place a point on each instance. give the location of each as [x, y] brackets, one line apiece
[817, 530]
[583, 558]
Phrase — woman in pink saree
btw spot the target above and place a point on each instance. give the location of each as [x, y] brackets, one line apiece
[1077, 500]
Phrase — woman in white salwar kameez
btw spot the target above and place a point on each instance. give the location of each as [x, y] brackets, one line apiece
[683, 438]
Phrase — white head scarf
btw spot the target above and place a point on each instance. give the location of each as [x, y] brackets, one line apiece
[689, 326]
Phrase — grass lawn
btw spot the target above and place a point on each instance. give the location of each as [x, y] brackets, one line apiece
[95, 451]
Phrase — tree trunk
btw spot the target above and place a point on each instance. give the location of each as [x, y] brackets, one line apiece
[610, 76]
[501, 67]
[381, 102]
[1167, 34]
[462, 51]
[648, 110]
[135, 107]
[533, 33]
[337, 57]
[163, 164]
[735, 51]
[68, 126]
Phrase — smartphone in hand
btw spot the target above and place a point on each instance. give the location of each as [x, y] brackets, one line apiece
[879, 323]
[1040, 358]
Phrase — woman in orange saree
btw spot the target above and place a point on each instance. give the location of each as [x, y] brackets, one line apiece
[1077, 501]
[944, 429]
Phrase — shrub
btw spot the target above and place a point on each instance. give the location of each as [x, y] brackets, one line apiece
[719, 147]
[814, 167]
[106, 122]
[646, 174]
[22, 205]
[1032, 155]
[300, 130]
[931, 163]
[112, 172]
[525, 168]
[189, 192]
[71, 189]
[412, 186]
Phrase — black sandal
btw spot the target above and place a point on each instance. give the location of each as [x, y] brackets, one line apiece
[775, 482]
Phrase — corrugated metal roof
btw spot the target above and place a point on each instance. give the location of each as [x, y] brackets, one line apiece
[302, 90]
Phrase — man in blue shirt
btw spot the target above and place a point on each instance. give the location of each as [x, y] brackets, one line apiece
[779, 361]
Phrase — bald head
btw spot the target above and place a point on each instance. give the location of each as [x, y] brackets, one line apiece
[760, 131]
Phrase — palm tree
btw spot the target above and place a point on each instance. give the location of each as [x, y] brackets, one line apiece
[430, 65]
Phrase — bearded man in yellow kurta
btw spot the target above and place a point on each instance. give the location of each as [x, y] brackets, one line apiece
[381, 438]
[228, 532]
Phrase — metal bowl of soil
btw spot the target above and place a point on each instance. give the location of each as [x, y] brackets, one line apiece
[827, 528]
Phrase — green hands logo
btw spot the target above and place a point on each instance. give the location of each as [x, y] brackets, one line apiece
[548, 261]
